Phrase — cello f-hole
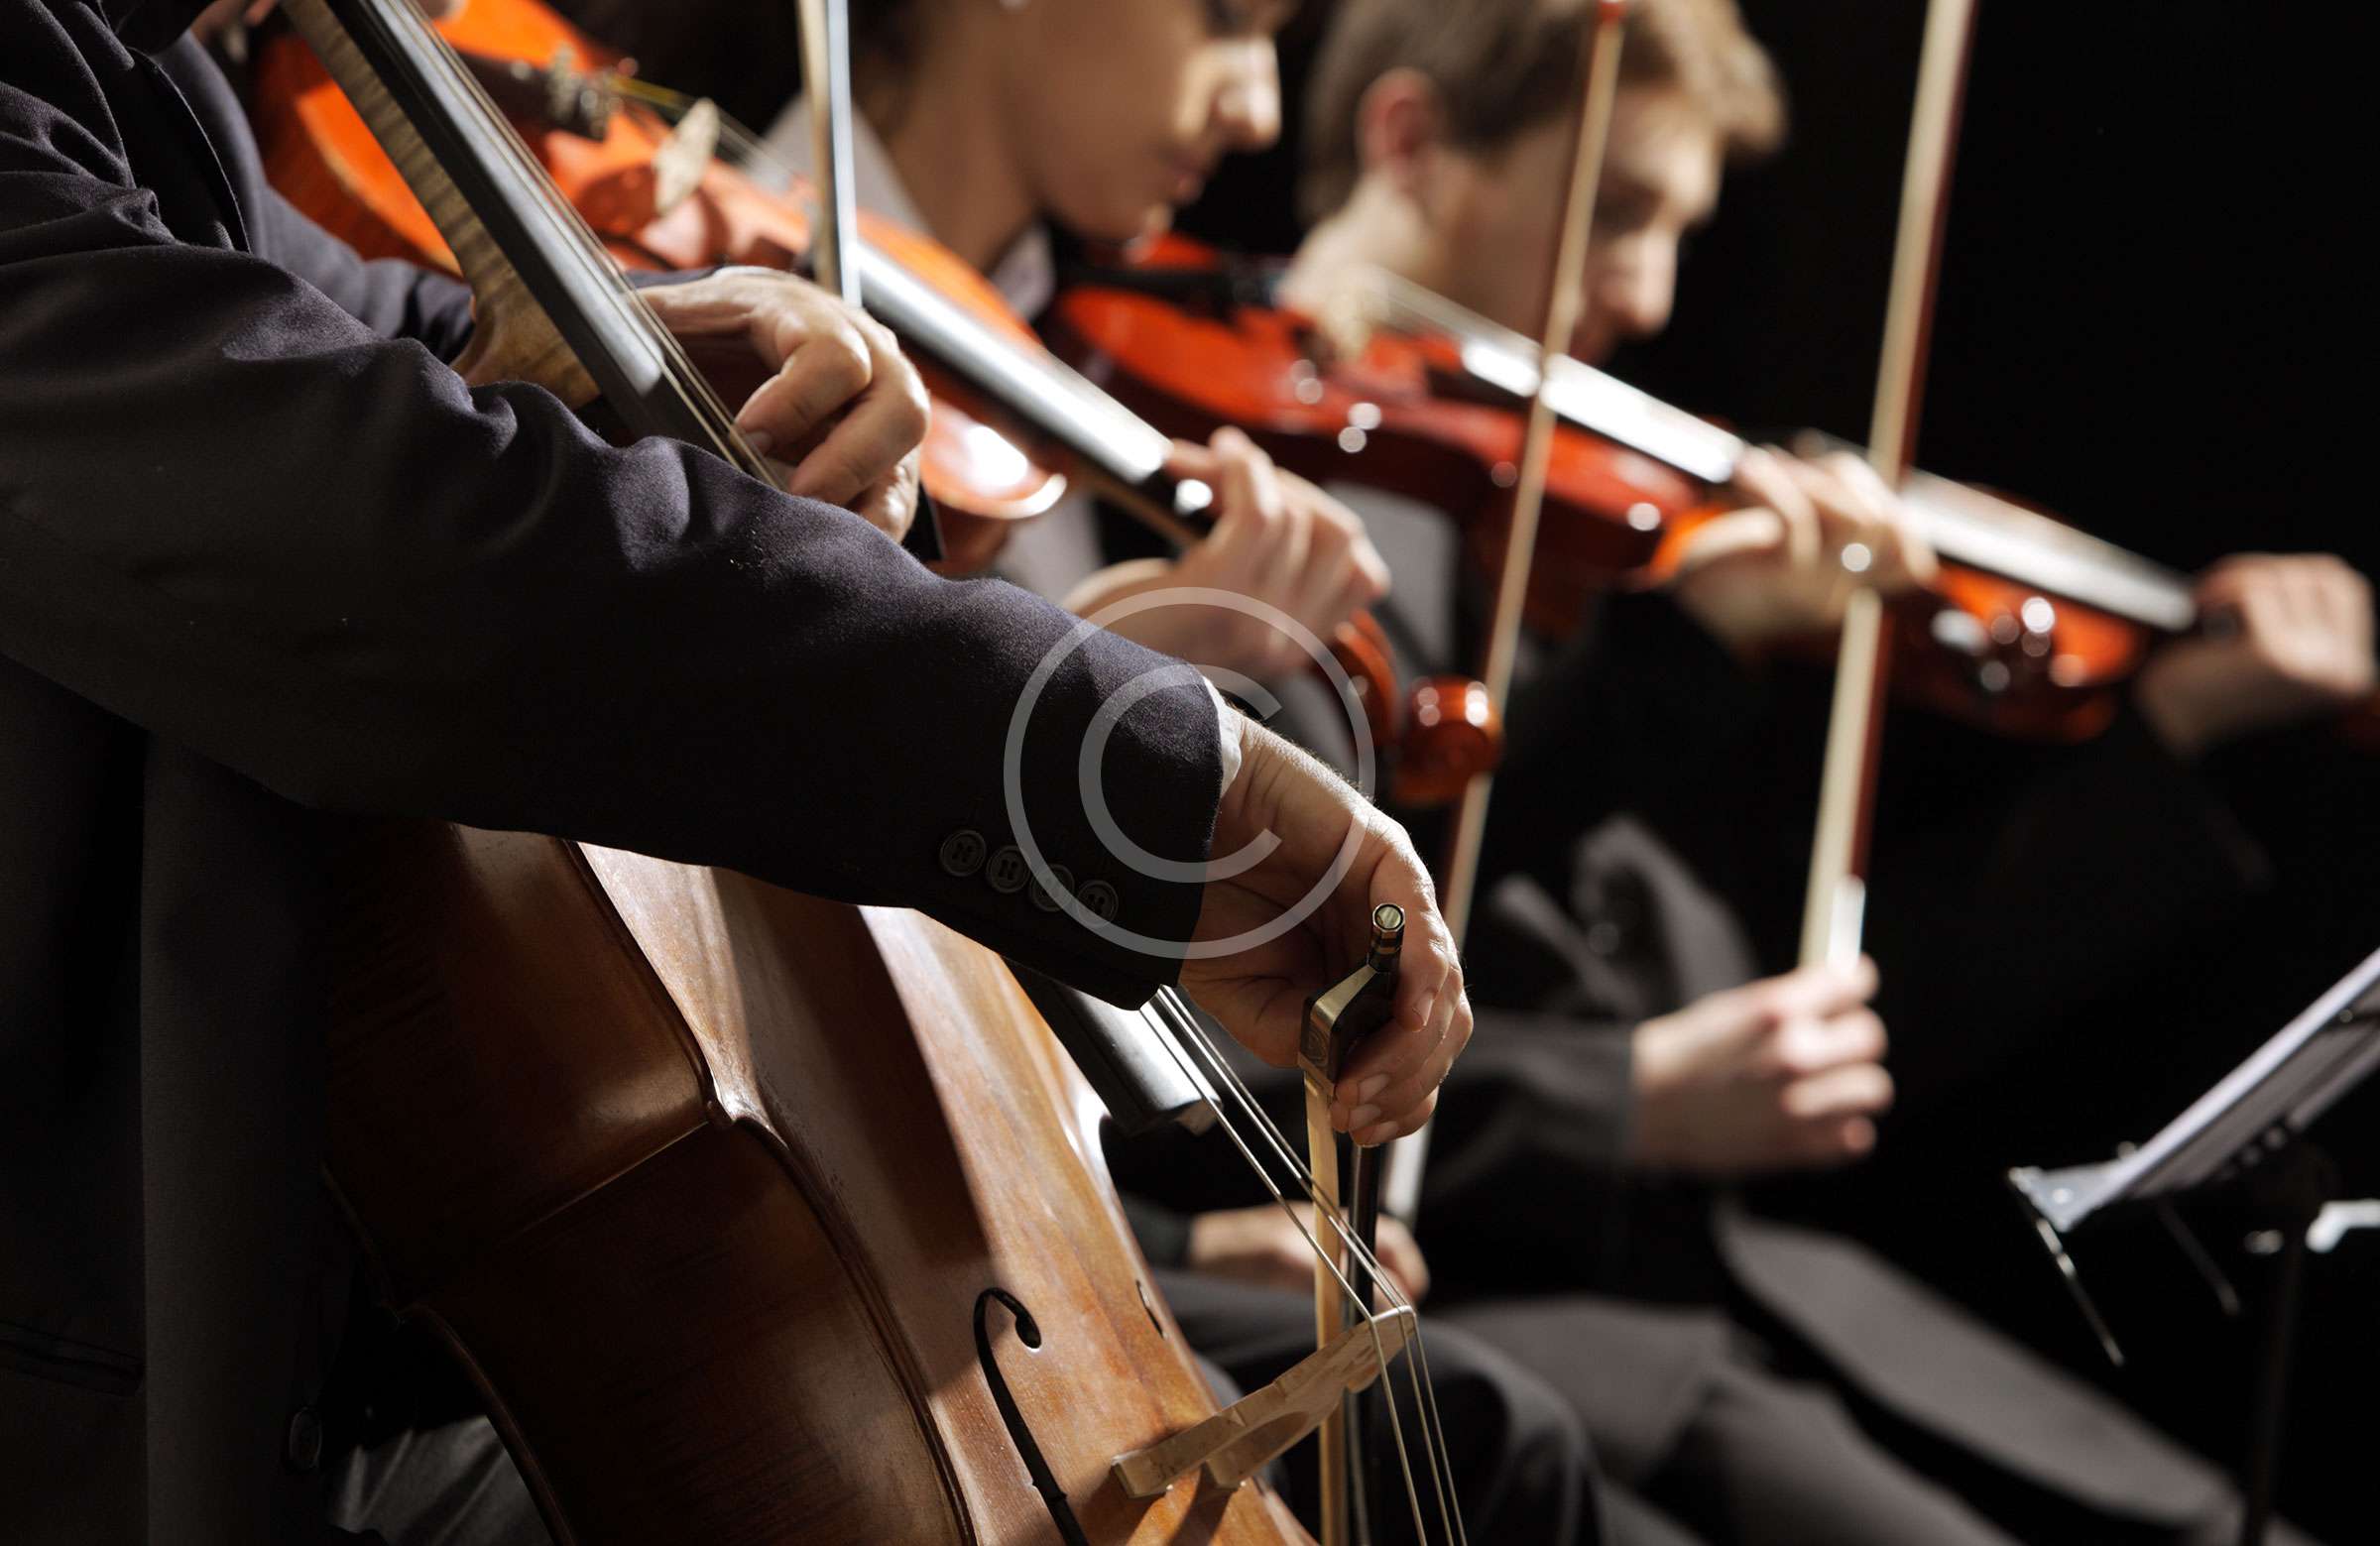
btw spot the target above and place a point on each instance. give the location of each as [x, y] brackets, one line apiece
[1029, 1332]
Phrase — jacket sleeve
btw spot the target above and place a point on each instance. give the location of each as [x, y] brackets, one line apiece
[391, 298]
[394, 298]
[234, 516]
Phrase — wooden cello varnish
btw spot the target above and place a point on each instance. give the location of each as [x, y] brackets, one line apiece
[754, 1216]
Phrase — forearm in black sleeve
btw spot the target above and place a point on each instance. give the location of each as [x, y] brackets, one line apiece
[232, 516]
[1527, 1148]
[394, 298]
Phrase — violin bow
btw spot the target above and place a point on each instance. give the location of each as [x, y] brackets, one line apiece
[1598, 67]
[826, 75]
[1837, 902]
[835, 233]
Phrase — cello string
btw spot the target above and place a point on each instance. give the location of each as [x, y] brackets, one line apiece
[680, 375]
[743, 144]
[1220, 1073]
[738, 138]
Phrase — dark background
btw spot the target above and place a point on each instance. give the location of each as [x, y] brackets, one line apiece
[2152, 322]
[2153, 263]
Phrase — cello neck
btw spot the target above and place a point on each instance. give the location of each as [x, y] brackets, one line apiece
[550, 305]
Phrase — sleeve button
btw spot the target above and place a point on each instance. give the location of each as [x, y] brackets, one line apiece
[302, 1443]
[963, 852]
[1063, 877]
[1099, 899]
[1006, 870]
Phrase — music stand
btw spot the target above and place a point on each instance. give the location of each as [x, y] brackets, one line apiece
[2239, 1136]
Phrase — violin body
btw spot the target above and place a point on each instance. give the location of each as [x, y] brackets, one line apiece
[657, 211]
[729, 1199]
[1406, 415]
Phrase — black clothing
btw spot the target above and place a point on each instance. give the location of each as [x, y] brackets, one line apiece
[267, 567]
[2043, 1455]
[1756, 1459]
[1646, 847]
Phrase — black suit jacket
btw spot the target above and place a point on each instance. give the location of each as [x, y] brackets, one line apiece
[267, 567]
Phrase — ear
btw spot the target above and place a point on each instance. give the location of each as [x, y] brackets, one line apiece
[1398, 125]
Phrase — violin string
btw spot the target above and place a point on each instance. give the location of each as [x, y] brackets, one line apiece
[1220, 1073]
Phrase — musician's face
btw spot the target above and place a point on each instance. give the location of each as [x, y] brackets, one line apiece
[1120, 109]
[1496, 237]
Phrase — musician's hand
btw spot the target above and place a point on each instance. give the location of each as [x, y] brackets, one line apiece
[1778, 1074]
[2288, 637]
[1262, 1245]
[827, 395]
[1278, 540]
[1777, 568]
[1298, 815]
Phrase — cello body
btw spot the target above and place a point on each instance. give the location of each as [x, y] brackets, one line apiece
[756, 1217]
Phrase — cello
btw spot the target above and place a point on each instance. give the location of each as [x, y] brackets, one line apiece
[752, 1215]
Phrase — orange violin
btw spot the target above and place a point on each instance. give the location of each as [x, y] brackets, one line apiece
[2029, 625]
[659, 200]
[639, 164]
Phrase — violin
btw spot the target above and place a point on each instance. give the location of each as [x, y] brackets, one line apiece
[656, 196]
[2028, 629]
[648, 171]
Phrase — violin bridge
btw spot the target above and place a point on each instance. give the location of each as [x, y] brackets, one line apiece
[1239, 1439]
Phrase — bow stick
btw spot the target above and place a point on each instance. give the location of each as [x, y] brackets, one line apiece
[1599, 68]
[1837, 902]
[826, 74]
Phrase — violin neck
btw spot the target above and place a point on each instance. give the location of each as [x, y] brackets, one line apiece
[1126, 455]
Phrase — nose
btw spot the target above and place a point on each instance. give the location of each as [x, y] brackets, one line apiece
[1633, 290]
[1248, 105]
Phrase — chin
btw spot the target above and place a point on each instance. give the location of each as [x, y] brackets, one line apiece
[1120, 223]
